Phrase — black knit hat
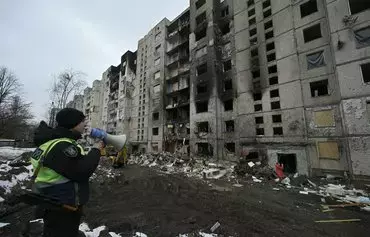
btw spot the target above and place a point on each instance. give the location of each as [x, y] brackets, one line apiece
[69, 118]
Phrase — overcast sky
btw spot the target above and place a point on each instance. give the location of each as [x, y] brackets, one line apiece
[40, 38]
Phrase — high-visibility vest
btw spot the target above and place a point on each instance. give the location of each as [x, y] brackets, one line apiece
[44, 175]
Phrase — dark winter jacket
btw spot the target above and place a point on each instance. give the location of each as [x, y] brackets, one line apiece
[76, 167]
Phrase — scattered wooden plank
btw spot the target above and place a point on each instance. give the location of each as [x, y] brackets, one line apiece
[338, 221]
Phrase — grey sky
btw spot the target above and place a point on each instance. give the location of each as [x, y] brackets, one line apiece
[40, 38]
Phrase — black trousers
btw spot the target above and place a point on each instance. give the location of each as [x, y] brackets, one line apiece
[61, 223]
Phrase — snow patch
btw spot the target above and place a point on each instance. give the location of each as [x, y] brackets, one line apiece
[38, 220]
[112, 234]
[3, 224]
[91, 233]
[138, 234]
[7, 185]
[12, 152]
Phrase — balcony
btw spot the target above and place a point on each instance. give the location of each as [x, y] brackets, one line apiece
[172, 34]
[171, 46]
[182, 84]
[173, 59]
[184, 68]
[173, 74]
[178, 27]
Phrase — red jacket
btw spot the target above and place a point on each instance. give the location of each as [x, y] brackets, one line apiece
[279, 169]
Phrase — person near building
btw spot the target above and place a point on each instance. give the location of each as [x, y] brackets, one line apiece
[62, 171]
[121, 158]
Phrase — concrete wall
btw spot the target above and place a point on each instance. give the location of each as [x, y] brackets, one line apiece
[354, 92]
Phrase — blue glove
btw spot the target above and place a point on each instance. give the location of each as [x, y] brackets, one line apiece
[98, 133]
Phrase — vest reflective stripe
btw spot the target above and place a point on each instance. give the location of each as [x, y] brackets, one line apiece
[48, 177]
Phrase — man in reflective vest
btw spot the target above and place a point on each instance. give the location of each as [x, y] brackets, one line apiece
[62, 171]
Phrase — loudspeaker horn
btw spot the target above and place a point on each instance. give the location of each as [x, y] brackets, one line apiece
[118, 141]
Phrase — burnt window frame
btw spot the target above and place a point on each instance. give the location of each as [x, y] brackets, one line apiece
[276, 131]
[228, 84]
[267, 13]
[229, 123]
[318, 82]
[229, 65]
[199, 66]
[275, 93]
[203, 124]
[201, 86]
[268, 2]
[202, 32]
[271, 57]
[200, 3]
[367, 71]
[307, 4]
[258, 107]
[272, 69]
[228, 103]
[201, 103]
[358, 11]
[260, 132]
[273, 103]
[277, 118]
[254, 52]
[268, 24]
[257, 96]
[269, 35]
[154, 117]
[259, 120]
[225, 10]
[252, 21]
[157, 131]
[233, 147]
[311, 28]
[253, 32]
[269, 48]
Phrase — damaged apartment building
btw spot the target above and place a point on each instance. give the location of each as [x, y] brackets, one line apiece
[92, 101]
[213, 105]
[117, 95]
[148, 102]
[177, 87]
[302, 70]
[278, 81]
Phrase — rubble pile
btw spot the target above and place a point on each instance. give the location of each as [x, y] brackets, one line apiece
[169, 163]
[250, 168]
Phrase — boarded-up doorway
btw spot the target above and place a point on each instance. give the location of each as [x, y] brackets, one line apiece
[289, 161]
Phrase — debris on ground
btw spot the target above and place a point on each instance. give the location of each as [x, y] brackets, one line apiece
[337, 221]
[130, 200]
[170, 163]
[215, 226]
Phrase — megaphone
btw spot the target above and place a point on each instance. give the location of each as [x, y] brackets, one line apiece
[118, 141]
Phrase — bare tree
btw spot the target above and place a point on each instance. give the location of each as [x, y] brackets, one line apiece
[9, 84]
[15, 118]
[14, 112]
[67, 84]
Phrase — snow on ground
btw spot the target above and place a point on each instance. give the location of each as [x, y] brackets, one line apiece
[9, 180]
[12, 152]
[96, 232]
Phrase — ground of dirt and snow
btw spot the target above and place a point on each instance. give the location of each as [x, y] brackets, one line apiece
[159, 195]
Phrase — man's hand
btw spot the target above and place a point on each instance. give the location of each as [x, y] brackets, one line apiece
[99, 144]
